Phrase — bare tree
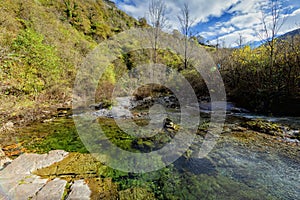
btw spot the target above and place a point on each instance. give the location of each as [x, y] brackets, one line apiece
[240, 41]
[217, 43]
[158, 20]
[186, 25]
[272, 22]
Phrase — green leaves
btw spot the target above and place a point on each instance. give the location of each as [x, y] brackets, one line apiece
[39, 64]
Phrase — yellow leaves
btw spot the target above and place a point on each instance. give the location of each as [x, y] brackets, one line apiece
[109, 74]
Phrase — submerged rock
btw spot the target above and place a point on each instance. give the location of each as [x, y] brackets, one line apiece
[196, 165]
[75, 165]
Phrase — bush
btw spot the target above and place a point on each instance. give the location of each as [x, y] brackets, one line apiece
[38, 67]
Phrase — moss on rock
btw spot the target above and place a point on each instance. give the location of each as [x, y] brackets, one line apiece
[264, 127]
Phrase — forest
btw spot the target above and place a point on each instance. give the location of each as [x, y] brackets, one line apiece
[41, 48]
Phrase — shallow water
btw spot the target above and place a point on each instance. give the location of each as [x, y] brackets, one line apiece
[238, 167]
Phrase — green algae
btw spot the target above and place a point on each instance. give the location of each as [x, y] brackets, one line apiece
[103, 188]
[167, 183]
[74, 166]
[58, 134]
[136, 194]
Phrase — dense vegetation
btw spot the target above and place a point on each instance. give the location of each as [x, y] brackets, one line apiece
[256, 83]
[44, 41]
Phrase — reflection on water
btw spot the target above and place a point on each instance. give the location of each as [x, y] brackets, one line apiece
[239, 167]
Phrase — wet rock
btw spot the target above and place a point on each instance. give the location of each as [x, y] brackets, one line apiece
[62, 112]
[264, 127]
[226, 129]
[136, 194]
[168, 124]
[75, 165]
[238, 128]
[169, 101]
[206, 106]
[289, 140]
[295, 134]
[120, 112]
[166, 101]
[196, 165]
[79, 190]
[143, 145]
[101, 105]
[97, 106]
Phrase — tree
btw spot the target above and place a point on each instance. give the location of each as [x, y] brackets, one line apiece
[186, 25]
[201, 40]
[272, 23]
[158, 20]
[142, 22]
[240, 41]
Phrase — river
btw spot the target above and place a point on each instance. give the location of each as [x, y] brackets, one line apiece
[244, 163]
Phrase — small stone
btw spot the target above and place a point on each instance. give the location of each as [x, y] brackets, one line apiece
[7, 127]
[239, 128]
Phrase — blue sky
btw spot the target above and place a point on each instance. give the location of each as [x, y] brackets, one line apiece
[222, 19]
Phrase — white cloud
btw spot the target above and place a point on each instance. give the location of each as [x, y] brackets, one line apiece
[245, 20]
[292, 22]
[245, 6]
[232, 39]
[225, 30]
[199, 9]
[244, 16]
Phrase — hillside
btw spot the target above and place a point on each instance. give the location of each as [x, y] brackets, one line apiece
[290, 34]
[42, 42]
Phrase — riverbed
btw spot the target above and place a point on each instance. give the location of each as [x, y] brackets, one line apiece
[244, 163]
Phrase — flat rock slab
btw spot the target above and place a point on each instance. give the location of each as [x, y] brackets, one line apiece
[79, 191]
[53, 190]
[17, 180]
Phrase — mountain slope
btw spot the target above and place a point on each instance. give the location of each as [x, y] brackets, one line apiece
[290, 34]
[43, 41]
